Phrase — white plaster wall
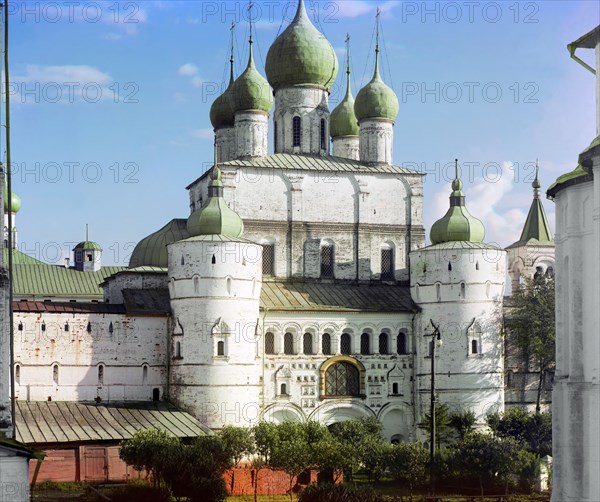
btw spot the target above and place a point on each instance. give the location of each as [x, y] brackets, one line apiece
[465, 381]
[251, 134]
[311, 105]
[524, 260]
[576, 396]
[212, 303]
[114, 286]
[376, 138]
[302, 376]
[226, 143]
[134, 343]
[14, 477]
[346, 147]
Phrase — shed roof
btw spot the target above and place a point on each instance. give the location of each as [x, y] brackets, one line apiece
[42, 422]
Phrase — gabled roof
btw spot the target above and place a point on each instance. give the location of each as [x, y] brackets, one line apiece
[336, 297]
[40, 422]
[290, 162]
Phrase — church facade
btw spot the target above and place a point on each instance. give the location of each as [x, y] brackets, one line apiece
[299, 286]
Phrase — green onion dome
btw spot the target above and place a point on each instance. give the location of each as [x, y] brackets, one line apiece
[301, 55]
[151, 251]
[457, 224]
[215, 217]
[15, 200]
[221, 113]
[376, 100]
[342, 121]
[251, 91]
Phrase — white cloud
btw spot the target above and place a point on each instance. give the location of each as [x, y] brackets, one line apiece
[81, 74]
[356, 8]
[188, 70]
[202, 133]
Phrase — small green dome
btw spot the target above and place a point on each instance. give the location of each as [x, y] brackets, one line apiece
[215, 217]
[376, 100]
[457, 224]
[342, 121]
[251, 91]
[88, 246]
[15, 200]
[301, 55]
[221, 112]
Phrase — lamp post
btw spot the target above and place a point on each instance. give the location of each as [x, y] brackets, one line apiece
[435, 337]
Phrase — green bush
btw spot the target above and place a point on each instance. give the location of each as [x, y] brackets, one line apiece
[339, 493]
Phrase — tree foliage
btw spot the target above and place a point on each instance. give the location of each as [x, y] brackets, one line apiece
[443, 428]
[463, 423]
[531, 323]
[238, 442]
[408, 463]
[533, 430]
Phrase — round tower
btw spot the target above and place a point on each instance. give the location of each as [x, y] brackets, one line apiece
[301, 67]
[222, 117]
[214, 286]
[458, 281]
[343, 125]
[252, 101]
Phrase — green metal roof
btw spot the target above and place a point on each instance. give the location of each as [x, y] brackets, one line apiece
[89, 246]
[301, 55]
[43, 422]
[577, 175]
[21, 258]
[461, 245]
[43, 280]
[151, 251]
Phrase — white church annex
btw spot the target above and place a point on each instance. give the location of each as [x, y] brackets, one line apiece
[299, 287]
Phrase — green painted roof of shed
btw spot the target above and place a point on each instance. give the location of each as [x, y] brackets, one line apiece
[89, 246]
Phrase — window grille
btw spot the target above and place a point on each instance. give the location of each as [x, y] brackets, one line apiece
[401, 342]
[326, 344]
[269, 343]
[387, 264]
[345, 347]
[307, 343]
[268, 264]
[342, 379]
[288, 344]
[327, 261]
[296, 131]
[364, 344]
[383, 343]
[323, 143]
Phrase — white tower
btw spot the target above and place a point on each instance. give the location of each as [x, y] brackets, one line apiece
[215, 282]
[301, 67]
[459, 283]
[576, 393]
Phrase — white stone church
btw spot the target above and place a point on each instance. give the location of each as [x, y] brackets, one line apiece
[299, 286]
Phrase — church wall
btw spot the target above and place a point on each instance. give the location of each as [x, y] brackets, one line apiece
[113, 287]
[65, 365]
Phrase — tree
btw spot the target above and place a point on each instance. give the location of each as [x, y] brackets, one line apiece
[489, 458]
[238, 441]
[533, 430]
[530, 322]
[443, 430]
[408, 462]
[463, 423]
[265, 440]
[149, 450]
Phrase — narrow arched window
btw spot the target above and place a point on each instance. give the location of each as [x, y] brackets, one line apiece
[296, 131]
[268, 257]
[101, 374]
[196, 285]
[383, 343]
[156, 394]
[345, 346]
[269, 343]
[327, 261]
[474, 347]
[323, 135]
[283, 389]
[326, 344]
[288, 344]
[387, 264]
[550, 272]
[394, 388]
[18, 374]
[177, 350]
[401, 343]
[221, 348]
[55, 373]
[307, 344]
[364, 344]
[463, 290]
[438, 292]
[144, 373]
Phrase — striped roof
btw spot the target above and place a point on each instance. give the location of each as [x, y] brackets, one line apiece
[43, 422]
[291, 162]
[43, 280]
[337, 297]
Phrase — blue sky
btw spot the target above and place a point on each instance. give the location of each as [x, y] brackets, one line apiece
[110, 104]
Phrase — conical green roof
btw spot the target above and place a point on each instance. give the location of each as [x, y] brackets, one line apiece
[536, 226]
[342, 121]
[251, 91]
[215, 217]
[14, 199]
[376, 99]
[301, 55]
[457, 224]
